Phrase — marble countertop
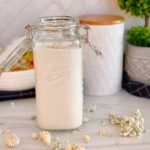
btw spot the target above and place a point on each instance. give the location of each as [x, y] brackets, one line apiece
[16, 117]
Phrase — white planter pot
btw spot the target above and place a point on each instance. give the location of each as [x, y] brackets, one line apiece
[137, 63]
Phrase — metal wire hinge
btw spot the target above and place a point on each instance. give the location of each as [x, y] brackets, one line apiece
[28, 29]
[86, 40]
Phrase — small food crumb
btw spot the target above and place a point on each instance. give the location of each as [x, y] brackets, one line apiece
[12, 104]
[35, 136]
[86, 138]
[12, 140]
[45, 137]
[85, 119]
[132, 126]
[73, 147]
[55, 145]
[101, 132]
[91, 108]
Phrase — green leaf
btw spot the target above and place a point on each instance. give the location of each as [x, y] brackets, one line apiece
[135, 7]
[139, 36]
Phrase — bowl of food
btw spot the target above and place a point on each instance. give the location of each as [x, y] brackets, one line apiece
[20, 76]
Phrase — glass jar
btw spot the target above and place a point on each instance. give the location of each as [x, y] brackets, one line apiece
[58, 72]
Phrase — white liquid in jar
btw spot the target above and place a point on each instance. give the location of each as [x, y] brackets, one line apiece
[59, 95]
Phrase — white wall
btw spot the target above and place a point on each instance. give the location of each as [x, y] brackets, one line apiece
[15, 14]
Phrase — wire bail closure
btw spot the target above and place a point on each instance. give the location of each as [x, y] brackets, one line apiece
[86, 40]
[85, 37]
[28, 30]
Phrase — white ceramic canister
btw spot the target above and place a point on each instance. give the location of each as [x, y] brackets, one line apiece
[103, 75]
[58, 72]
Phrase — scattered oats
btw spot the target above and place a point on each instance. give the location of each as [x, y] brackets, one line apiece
[114, 119]
[33, 118]
[12, 104]
[86, 138]
[91, 108]
[45, 137]
[138, 113]
[85, 119]
[12, 140]
[101, 132]
[35, 136]
[131, 126]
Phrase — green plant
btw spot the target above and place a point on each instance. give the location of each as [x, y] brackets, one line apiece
[139, 36]
[139, 8]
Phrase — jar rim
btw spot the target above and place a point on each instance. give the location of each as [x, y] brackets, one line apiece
[56, 23]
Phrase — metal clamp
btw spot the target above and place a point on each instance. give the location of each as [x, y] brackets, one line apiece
[28, 29]
[86, 40]
[85, 37]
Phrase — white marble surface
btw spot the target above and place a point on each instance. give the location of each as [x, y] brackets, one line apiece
[15, 14]
[18, 120]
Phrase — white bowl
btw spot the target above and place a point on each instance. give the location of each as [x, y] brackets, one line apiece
[17, 81]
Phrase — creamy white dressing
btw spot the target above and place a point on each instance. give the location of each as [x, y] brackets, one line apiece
[59, 95]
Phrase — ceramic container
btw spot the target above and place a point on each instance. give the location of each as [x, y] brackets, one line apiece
[137, 63]
[103, 75]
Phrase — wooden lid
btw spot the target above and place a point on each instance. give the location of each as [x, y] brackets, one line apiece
[101, 19]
